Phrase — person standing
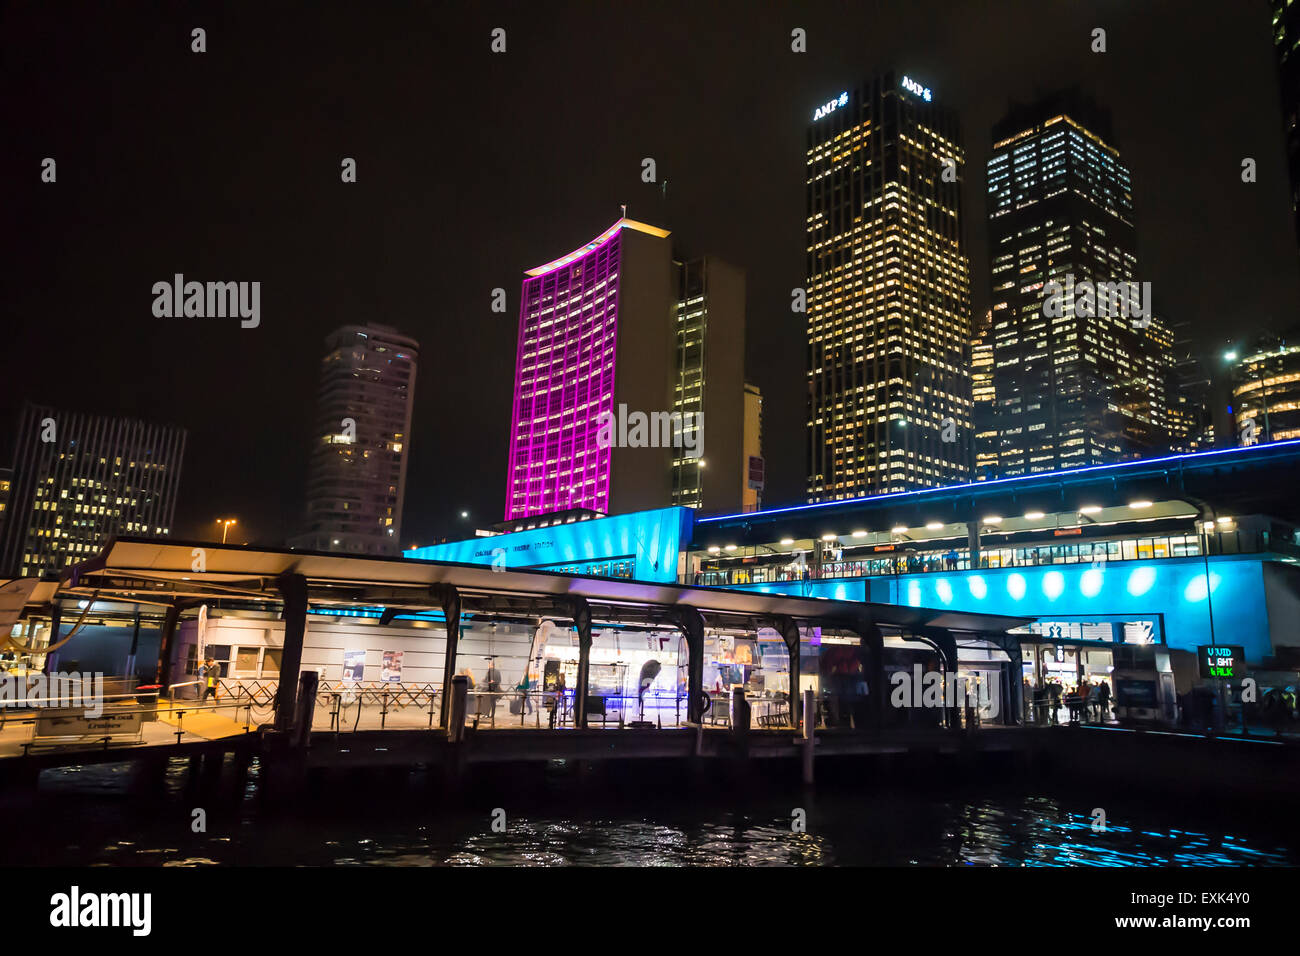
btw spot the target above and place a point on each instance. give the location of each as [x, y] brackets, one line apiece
[557, 700]
[210, 675]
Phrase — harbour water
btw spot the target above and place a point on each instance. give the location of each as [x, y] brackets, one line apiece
[93, 816]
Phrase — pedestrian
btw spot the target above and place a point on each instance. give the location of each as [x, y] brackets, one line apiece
[1103, 701]
[557, 700]
[210, 675]
[1054, 702]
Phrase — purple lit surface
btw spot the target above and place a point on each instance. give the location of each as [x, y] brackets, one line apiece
[564, 379]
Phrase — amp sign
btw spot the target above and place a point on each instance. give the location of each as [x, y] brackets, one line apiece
[916, 88]
[831, 107]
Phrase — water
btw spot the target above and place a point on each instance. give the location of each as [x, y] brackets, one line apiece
[89, 816]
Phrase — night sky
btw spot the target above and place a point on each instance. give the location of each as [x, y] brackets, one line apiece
[474, 166]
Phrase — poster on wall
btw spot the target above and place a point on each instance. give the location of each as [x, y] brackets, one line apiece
[392, 668]
[354, 665]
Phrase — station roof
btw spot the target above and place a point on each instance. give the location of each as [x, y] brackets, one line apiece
[159, 572]
[1258, 479]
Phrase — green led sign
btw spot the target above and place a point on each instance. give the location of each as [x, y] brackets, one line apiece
[1221, 660]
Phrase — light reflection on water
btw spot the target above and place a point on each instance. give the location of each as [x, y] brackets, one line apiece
[87, 817]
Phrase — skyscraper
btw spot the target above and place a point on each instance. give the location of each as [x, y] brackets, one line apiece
[710, 370]
[1264, 383]
[629, 381]
[77, 480]
[1071, 387]
[1191, 392]
[361, 443]
[888, 293]
[595, 333]
[984, 398]
[755, 465]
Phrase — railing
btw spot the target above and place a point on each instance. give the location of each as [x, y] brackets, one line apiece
[903, 561]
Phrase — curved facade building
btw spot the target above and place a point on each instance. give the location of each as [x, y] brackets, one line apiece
[595, 333]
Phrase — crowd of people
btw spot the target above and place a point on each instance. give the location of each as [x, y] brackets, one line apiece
[1088, 701]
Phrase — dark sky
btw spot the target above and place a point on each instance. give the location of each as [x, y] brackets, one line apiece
[473, 167]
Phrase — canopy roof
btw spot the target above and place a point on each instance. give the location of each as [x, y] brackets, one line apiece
[160, 572]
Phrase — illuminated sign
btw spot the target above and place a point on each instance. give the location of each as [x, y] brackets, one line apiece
[1221, 660]
[831, 107]
[912, 86]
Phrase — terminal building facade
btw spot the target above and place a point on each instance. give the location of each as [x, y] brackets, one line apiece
[1164, 555]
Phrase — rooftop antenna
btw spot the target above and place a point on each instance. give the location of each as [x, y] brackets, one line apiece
[624, 207]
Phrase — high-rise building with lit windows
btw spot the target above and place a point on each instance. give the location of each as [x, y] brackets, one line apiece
[1070, 389]
[710, 388]
[78, 480]
[361, 442]
[888, 293]
[620, 337]
[1264, 389]
[984, 397]
[596, 332]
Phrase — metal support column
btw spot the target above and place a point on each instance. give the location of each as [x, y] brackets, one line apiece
[582, 623]
[947, 645]
[691, 624]
[871, 649]
[293, 591]
[789, 631]
[165, 640]
[449, 598]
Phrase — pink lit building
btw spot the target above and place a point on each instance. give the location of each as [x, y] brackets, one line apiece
[596, 330]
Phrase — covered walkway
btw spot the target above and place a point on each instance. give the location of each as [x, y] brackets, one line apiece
[180, 578]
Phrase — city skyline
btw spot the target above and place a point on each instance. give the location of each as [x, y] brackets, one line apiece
[436, 268]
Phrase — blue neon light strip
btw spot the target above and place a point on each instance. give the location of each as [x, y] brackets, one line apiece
[1000, 481]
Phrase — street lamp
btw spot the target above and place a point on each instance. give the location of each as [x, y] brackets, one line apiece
[225, 527]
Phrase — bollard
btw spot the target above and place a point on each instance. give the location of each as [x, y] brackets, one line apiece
[305, 706]
[740, 714]
[809, 735]
[459, 702]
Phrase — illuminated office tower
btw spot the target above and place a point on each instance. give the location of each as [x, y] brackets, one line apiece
[361, 442]
[6, 485]
[1264, 383]
[984, 398]
[596, 332]
[888, 293]
[1071, 389]
[78, 480]
[710, 387]
[755, 464]
[1191, 390]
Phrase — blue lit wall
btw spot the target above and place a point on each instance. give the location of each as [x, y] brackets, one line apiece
[647, 541]
[1174, 587]
[850, 590]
